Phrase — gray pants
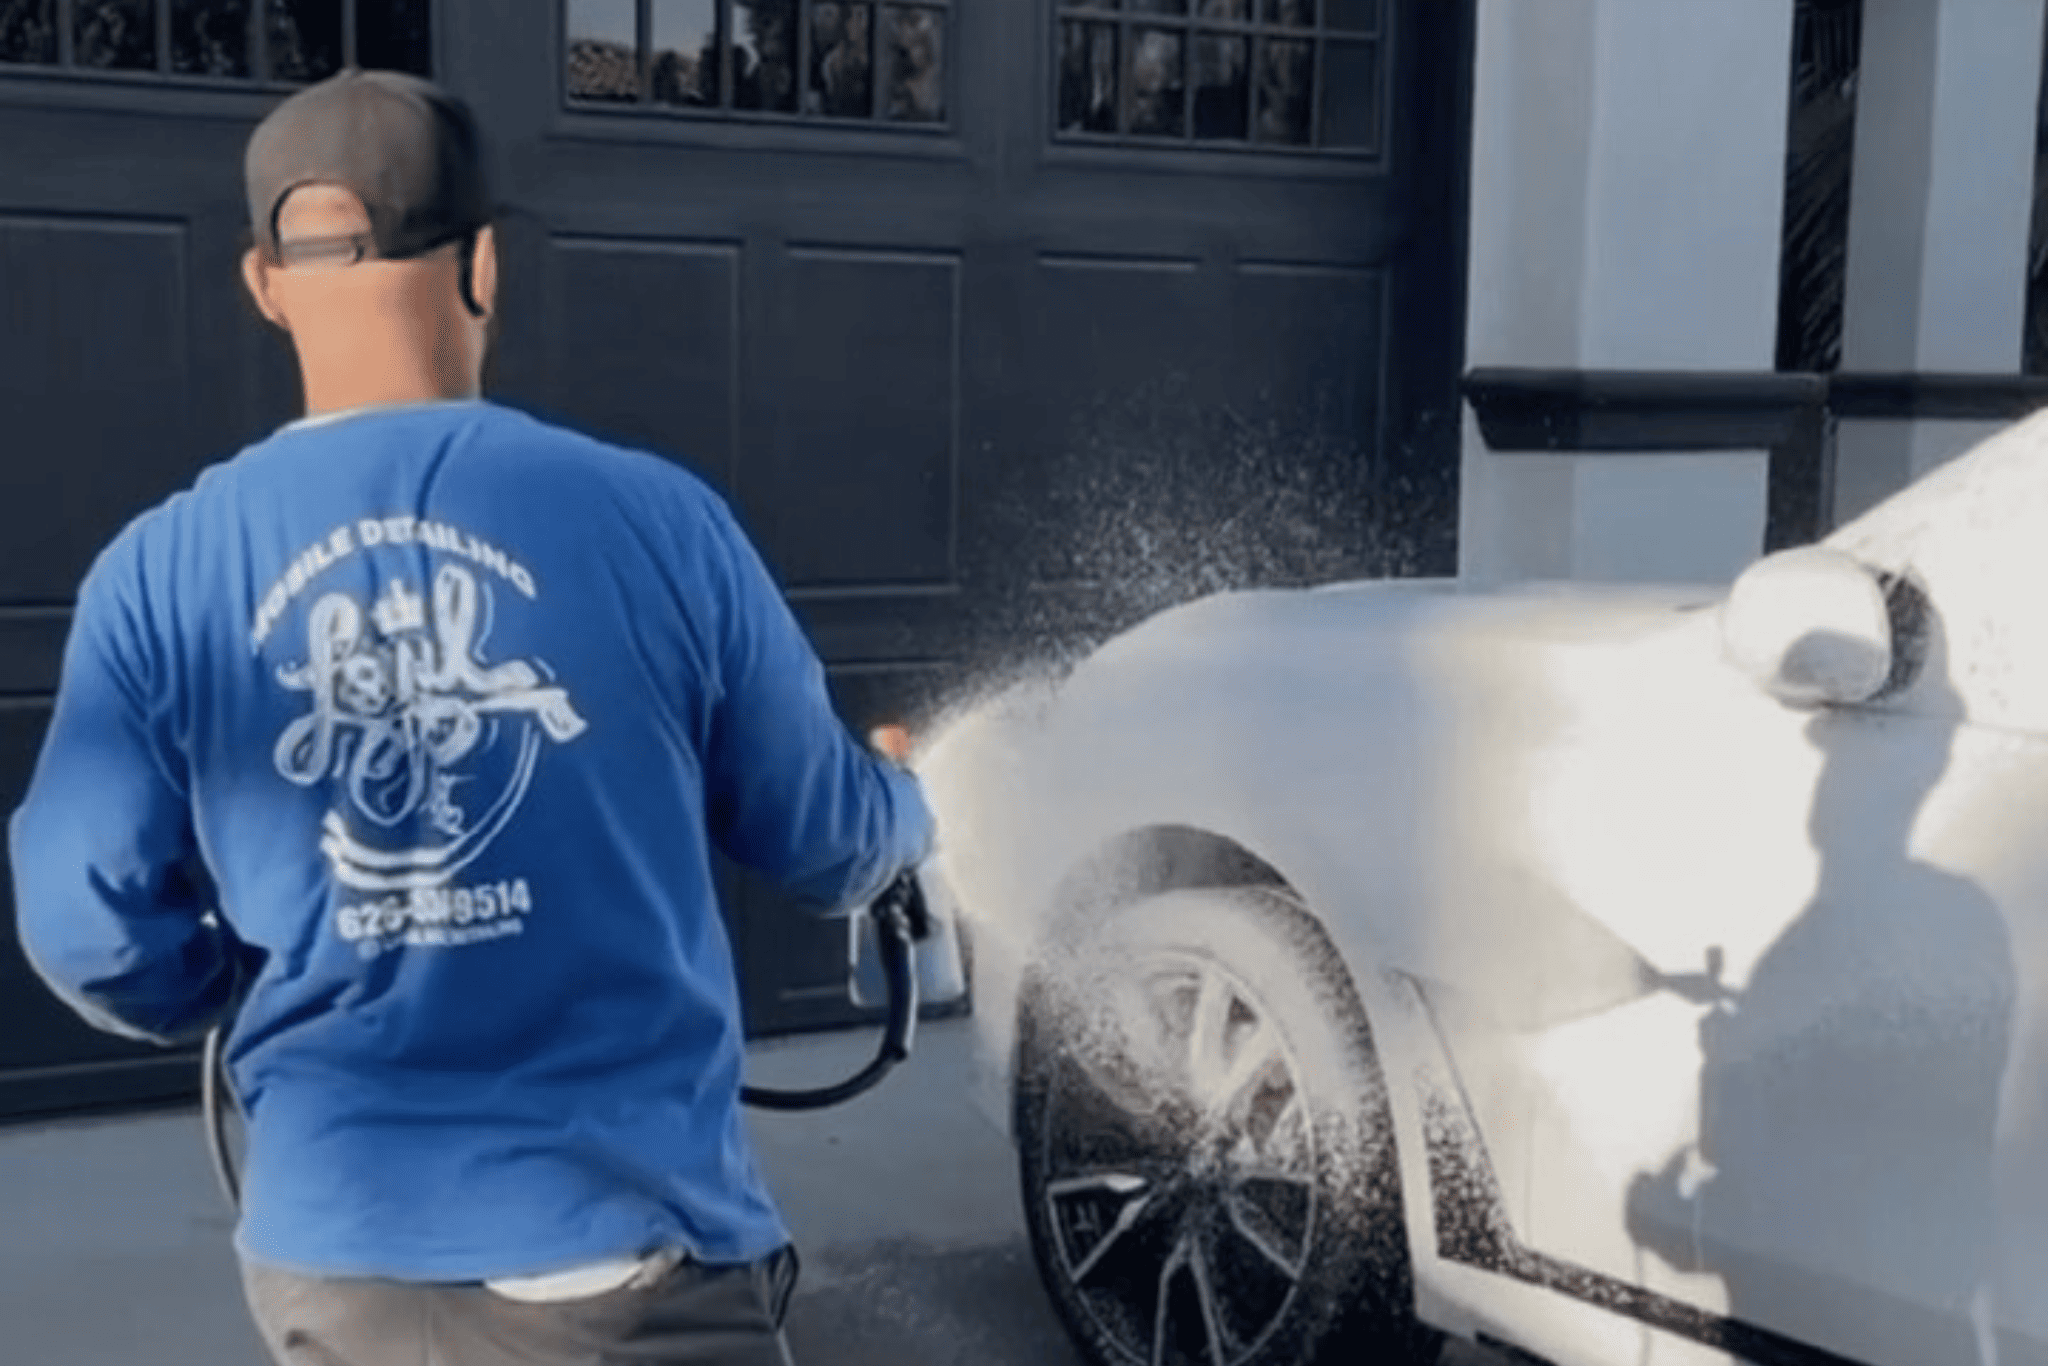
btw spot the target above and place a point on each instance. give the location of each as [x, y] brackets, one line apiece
[696, 1315]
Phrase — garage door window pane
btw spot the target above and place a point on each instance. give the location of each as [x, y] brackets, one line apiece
[305, 39]
[1223, 102]
[1286, 82]
[1158, 83]
[210, 37]
[1278, 75]
[1352, 16]
[914, 44]
[115, 35]
[824, 61]
[28, 31]
[842, 61]
[764, 55]
[602, 50]
[1088, 78]
[272, 42]
[686, 69]
[1351, 96]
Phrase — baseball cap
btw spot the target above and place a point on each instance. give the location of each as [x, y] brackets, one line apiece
[407, 148]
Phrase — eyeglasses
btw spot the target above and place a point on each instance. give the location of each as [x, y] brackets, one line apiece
[327, 253]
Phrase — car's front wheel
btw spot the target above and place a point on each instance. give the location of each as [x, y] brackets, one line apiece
[1205, 1148]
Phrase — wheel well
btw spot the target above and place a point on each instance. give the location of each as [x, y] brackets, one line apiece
[1157, 859]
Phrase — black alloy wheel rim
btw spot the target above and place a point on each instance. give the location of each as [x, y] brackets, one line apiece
[1180, 1159]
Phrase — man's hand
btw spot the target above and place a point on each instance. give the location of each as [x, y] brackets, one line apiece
[892, 743]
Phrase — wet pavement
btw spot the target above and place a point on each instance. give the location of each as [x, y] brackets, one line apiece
[114, 1249]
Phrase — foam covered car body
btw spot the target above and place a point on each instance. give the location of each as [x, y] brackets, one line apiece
[1631, 975]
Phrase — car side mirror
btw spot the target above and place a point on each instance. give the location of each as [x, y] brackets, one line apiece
[1810, 627]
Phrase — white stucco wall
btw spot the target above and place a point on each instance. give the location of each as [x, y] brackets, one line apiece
[1942, 201]
[1627, 188]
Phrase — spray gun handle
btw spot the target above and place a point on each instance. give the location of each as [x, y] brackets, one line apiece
[905, 897]
[898, 935]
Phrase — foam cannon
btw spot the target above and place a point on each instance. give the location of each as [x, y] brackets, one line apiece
[903, 950]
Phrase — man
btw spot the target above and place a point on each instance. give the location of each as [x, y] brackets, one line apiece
[409, 731]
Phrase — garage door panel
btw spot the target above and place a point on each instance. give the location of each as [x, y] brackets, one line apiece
[854, 483]
[866, 628]
[1305, 390]
[1113, 361]
[1106, 330]
[141, 1081]
[31, 651]
[1104, 306]
[1311, 342]
[647, 346]
[89, 151]
[1192, 426]
[1309, 371]
[38, 1027]
[93, 378]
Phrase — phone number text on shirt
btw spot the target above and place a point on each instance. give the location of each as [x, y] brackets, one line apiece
[435, 908]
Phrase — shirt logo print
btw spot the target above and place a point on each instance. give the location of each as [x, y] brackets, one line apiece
[434, 749]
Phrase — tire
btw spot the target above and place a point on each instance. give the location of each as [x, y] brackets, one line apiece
[1204, 1144]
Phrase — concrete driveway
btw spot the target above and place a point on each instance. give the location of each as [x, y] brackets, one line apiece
[904, 1206]
[114, 1245]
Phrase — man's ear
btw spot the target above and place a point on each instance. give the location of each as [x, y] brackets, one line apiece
[484, 270]
[256, 275]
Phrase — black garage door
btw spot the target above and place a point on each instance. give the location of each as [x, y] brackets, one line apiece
[1001, 321]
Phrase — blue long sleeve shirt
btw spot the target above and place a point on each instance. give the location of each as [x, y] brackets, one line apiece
[407, 736]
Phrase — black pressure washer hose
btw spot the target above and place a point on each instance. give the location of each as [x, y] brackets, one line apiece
[901, 920]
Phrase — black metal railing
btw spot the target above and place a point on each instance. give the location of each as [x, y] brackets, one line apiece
[1791, 415]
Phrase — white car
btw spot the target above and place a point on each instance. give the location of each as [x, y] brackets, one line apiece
[1621, 976]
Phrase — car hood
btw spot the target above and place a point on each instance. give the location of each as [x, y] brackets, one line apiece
[1318, 626]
